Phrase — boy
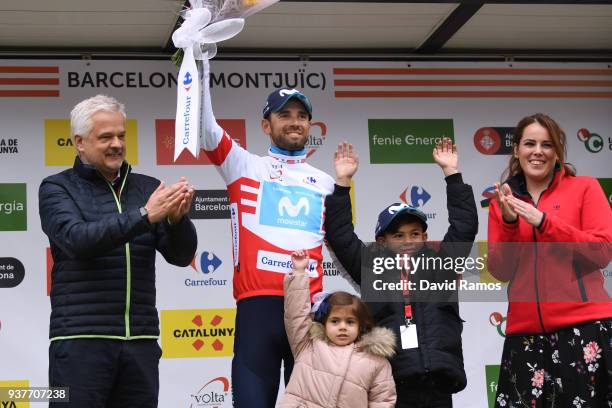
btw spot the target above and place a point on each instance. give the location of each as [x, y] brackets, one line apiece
[428, 366]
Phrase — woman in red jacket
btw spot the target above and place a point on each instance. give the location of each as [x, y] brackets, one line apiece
[549, 236]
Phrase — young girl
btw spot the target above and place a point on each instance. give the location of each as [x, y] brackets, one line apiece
[340, 358]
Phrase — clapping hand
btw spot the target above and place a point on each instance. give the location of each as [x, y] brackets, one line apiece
[526, 211]
[170, 202]
[502, 196]
[182, 203]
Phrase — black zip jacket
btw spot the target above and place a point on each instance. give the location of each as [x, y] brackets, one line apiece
[438, 361]
[103, 277]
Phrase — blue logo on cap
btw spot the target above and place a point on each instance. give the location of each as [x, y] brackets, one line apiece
[285, 92]
[277, 99]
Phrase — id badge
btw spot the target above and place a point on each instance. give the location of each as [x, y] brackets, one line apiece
[409, 336]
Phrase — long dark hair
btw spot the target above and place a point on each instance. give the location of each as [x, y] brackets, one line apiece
[359, 309]
[556, 134]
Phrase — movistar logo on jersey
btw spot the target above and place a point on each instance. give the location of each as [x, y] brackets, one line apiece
[292, 207]
[286, 206]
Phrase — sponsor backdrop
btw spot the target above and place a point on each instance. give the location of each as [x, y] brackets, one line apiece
[392, 112]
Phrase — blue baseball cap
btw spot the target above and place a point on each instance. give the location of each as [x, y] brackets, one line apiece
[279, 98]
[386, 217]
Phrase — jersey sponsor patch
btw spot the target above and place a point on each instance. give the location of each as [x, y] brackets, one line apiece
[291, 207]
[281, 263]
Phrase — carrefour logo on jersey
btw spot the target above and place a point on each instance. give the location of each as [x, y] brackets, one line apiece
[281, 263]
[291, 207]
[206, 263]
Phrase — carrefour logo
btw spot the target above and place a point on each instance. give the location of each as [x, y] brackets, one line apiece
[291, 207]
[187, 80]
[593, 142]
[209, 262]
[281, 263]
[206, 263]
[417, 197]
[310, 180]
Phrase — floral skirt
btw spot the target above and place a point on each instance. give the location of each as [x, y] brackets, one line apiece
[571, 368]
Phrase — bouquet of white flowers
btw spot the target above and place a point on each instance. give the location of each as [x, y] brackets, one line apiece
[220, 10]
[205, 24]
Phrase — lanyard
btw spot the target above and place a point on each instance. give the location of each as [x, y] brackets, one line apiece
[405, 274]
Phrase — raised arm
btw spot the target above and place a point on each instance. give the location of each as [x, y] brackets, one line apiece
[460, 203]
[212, 133]
[230, 158]
[297, 303]
[339, 230]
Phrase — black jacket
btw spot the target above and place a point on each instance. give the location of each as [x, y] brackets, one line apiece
[103, 277]
[438, 361]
